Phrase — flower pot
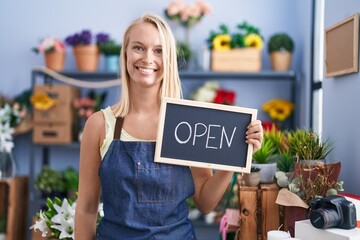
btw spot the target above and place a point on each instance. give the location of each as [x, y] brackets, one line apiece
[281, 61]
[87, 57]
[267, 171]
[251, 179]
[112, 63]
[55, 60]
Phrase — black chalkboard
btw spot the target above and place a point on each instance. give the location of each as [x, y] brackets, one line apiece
[206, 135]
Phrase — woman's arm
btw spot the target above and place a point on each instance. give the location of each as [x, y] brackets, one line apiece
[209, 187]
[89, 184]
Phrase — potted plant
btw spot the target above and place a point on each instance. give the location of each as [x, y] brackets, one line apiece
[54, 52]
[307, 145]
[51, 183]
[71, 179]
[262, 159]
[184, 54]
[85, 50]
[236, 52]
[285, 163]
[280, 47]
[251, 179]
[111, 51]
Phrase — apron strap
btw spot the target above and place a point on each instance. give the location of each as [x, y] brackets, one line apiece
[118, 127]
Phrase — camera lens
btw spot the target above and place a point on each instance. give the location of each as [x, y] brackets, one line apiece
[324, 218]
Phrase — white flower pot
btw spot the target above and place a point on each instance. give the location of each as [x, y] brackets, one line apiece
[267, 171]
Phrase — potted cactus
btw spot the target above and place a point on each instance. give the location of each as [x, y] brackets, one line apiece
[263, 159]
[280, 47]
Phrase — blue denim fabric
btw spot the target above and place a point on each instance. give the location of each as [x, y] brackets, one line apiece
[143, 199]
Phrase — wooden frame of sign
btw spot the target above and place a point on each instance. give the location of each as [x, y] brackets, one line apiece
[205, 135]
[342, 44]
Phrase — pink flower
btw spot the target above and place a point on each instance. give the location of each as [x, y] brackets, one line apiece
[175, 7]
[191, 10]
[205, 8]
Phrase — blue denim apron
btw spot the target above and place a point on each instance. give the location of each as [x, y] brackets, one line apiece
[143, 199]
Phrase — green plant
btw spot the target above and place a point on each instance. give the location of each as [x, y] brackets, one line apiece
[184, 51]
[255, 169]
[307, 145]
[280, 42]
[278, 138]
[262, 155]
[110, 48]
[71, 178]
[285, 162]
[49, 180]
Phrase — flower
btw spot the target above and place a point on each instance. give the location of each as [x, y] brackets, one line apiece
[49, 45]
[42, 101]
[85, 37]
[57, 222]
[211, 92]
[246, 36]
[11, 115]
[187, 14]
[89, 104]
[222, 42]
[278, 109]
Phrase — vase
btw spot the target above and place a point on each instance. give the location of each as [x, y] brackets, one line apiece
[7, 165]
[55, 60]
[112, 63]
[281, 61]
[87, 57]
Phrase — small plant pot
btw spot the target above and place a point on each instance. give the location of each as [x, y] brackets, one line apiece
[55, 60]
[112, 63]
[251, 179]
[87, 58]
[281, 61]
[267, 171]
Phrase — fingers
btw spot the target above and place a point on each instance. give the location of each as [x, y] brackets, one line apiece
[254, 134]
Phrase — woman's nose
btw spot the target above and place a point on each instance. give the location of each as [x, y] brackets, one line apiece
[148, 58]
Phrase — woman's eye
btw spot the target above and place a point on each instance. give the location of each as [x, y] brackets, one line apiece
[138, 48]
[158, 51]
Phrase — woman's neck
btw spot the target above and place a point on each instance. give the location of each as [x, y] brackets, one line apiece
[144, 100]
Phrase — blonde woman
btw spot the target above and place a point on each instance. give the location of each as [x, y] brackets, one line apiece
[142, 199]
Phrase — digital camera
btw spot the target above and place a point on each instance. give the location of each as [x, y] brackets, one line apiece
[332, 211]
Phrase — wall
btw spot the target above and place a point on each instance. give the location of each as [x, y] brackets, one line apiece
[341, 110]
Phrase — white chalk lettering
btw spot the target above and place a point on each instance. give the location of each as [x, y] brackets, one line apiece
[195, 131]
[190, 132]
[208, 136]
[223, 133]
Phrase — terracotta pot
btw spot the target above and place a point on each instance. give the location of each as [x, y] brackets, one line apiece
[281, 61]
[55, 60]
[87, 57]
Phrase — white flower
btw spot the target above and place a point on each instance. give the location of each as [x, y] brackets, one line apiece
[101, 210]
[207, 92]
[41, 225]
[66, 227]
[64, 220]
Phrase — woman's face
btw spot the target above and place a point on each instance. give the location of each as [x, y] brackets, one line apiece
[144, 55]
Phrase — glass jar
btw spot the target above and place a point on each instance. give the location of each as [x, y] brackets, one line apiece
[7, 165]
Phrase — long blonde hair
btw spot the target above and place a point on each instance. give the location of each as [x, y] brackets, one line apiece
[170, 84]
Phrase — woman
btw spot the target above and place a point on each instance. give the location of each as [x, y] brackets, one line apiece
[117, 151]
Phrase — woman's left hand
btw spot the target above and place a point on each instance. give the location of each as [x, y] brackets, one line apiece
[254, 134]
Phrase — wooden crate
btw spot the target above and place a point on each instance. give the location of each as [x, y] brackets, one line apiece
[16, 192]
[258, 211]
[236, 60]
[55, 126]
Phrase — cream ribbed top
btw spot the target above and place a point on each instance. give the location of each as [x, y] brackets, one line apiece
[110, 121]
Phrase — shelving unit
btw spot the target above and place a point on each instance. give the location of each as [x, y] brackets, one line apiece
[286, 77]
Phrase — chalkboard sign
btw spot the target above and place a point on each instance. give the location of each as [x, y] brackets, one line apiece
[207, 135]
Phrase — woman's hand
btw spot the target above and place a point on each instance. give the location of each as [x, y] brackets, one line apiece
[254, 134]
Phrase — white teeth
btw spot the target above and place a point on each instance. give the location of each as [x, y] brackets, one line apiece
[146, 70]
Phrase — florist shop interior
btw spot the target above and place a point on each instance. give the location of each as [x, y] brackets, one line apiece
[294, 64]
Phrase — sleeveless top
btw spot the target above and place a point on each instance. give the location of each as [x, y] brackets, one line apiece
[142, 199]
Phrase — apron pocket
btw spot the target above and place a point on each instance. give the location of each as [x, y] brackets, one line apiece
[155, 182]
